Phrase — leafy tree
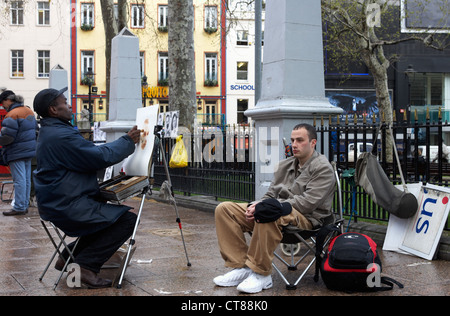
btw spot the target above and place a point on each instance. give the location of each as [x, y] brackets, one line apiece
[362, 29]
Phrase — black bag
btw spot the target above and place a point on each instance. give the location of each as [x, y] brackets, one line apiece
[352, 264]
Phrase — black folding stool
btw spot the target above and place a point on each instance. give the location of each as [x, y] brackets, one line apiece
[293, 236]
[58, 250]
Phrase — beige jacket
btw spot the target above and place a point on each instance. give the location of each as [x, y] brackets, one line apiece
[310, 192]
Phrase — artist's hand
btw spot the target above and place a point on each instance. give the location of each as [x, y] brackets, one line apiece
[250, 213]
[135, 134]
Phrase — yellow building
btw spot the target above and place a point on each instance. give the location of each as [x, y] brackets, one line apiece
[148, 20]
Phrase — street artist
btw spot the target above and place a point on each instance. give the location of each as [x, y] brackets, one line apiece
[67, 190]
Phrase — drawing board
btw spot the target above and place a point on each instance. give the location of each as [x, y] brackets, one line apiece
[138, 163]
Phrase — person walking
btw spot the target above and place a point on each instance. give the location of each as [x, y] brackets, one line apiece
[18, 141]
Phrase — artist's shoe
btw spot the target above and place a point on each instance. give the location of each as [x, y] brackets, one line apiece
[92, 280]
[233, 278]
[14, 213]
[255, 283]
[59, 265]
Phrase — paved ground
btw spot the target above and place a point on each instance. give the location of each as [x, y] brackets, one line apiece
[159, 264]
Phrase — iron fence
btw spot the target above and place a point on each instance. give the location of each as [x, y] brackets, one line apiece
[420, 161]
[219, 163]
[217, 173]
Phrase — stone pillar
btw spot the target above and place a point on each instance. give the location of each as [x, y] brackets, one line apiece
[293, 86]
[58, 79]
[125, 94]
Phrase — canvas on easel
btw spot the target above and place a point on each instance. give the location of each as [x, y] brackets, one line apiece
[139, 162]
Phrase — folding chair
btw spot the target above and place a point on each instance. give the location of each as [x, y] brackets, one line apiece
[58, 250]
[10, 193]
[294, 236]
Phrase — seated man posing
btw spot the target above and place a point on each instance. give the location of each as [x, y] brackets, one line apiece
[302, 190]
[67, 190]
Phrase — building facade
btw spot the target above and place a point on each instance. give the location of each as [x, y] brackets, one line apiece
[240, 60]
[35, 37]
[39, 35]
[149, 21]
[418, 77]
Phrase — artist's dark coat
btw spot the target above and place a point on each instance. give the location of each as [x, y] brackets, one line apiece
[66, 181]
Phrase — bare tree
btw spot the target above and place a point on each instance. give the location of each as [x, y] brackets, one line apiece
[181, 60]
[181, 53]
[111, 30]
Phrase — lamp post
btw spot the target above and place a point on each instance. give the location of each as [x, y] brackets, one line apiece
[410, 74]
[144, 90]
[90, 76]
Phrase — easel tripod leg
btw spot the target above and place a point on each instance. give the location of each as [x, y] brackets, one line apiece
[166, 168]
[132, 240]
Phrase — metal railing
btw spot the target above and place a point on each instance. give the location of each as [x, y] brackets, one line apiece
[219, 164]
[411, 139]
[233, 177]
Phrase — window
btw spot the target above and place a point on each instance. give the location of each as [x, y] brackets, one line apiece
[16, 11]
[43, 13]
[428, 16]
[163, 71]
[162, 16]
[242, 70]
[137, 16]
[242, 38]
[163, 106]
[211, 69]
[210, 17]
[116, 13]
[87, 14]
[426, 89]
[43, 64]
[242, 106]
[87, 61]
[17, 64]
[211, 117]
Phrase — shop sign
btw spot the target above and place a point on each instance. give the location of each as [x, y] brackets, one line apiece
[155, 92]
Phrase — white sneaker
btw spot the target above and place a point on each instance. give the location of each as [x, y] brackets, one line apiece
[233, 278]
[255, 283]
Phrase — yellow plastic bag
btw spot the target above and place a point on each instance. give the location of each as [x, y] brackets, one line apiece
[179, 158]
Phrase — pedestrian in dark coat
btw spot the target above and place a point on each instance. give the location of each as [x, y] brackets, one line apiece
[18, 141]
[67, 190]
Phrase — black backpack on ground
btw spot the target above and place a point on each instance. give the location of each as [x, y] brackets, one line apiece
[351, 263]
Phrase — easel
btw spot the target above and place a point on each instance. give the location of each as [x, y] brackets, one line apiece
[156, 132]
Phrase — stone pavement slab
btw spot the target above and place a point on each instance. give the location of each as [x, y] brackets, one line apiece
[159, 266]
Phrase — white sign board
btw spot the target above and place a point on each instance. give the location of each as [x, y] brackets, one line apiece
[138, 163]
[397, 226]
[424, 230]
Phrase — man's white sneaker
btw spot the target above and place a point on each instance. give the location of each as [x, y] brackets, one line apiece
[233, 278]
[255, 283]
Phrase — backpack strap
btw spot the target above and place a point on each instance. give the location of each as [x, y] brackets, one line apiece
[390, 284]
